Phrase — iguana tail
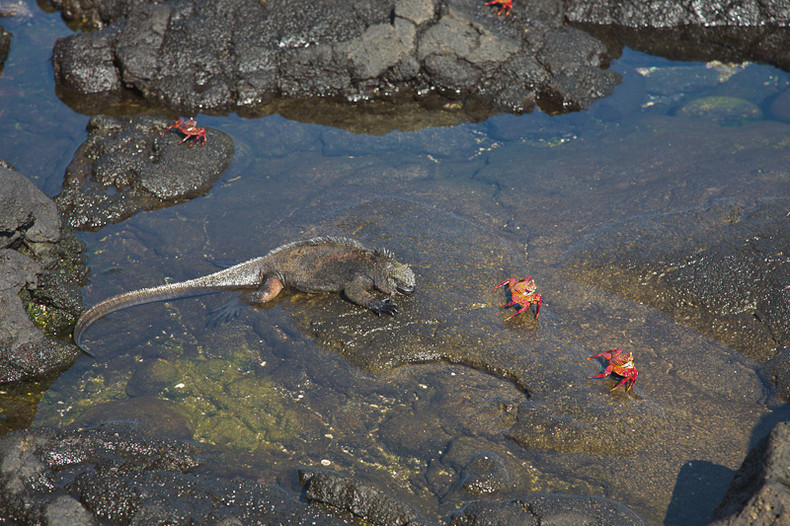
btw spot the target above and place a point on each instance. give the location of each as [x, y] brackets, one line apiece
[242, 276]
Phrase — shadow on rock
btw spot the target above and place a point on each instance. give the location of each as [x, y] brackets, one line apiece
[128, 165]
[699, 485]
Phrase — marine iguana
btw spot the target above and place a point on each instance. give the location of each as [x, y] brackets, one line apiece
[322, 264]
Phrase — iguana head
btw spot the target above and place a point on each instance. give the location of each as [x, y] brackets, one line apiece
[395, 277]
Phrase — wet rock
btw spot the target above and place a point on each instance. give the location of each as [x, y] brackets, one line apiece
[111, 474]
[547, 509]
[18, 9]
[575, 58]
[229, 54]
[486, 474]
[721, 109]
[365, 502]
[759, 491]
[127, 165]
[464, 468]
[399, 434]
[570, 94]
[31, 461]
[167, 497]
[722, 270]
[777, 371]
[455, 316]
[152, 416]
[66, 511]
[42, 268]
[151, 378]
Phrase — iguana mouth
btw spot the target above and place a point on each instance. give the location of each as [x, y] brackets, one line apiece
[405, 289]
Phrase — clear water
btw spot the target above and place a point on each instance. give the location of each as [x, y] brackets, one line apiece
[264, 399]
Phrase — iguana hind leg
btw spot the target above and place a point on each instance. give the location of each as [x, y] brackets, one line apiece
[270, 288]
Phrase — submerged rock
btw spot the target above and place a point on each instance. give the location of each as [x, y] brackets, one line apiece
[128, 165]
[724, 110]
[5, 45]
[780, 107]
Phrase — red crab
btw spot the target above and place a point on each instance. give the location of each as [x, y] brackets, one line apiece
[505, 5]
[621, 365]
[190, 130]
[522, 292]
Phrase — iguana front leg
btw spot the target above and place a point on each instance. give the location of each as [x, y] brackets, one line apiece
[358, 291]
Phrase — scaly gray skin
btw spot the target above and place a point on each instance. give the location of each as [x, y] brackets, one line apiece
[323, 264]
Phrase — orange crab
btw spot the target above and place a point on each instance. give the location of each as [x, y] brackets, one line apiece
[522, 292]
[190, 130]
[621, 364]
[505, 5]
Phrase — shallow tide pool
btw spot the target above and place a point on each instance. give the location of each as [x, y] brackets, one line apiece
[264, 396]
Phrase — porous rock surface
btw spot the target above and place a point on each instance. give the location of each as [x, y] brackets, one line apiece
[363, 501]
[112, 474]
[125, 166]
[41, 268]
[222, 55]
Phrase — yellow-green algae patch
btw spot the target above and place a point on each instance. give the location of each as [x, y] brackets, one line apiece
[722, 109]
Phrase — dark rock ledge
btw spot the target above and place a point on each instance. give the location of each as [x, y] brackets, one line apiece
[226, 55]
[234, 55]
[41, 269]
[723, 270]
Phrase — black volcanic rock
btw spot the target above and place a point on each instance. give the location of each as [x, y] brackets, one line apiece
[222, 55]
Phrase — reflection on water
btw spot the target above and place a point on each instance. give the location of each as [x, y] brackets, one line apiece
[264, 398]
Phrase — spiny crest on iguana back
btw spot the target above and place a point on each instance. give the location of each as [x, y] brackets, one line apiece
[338, 240]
